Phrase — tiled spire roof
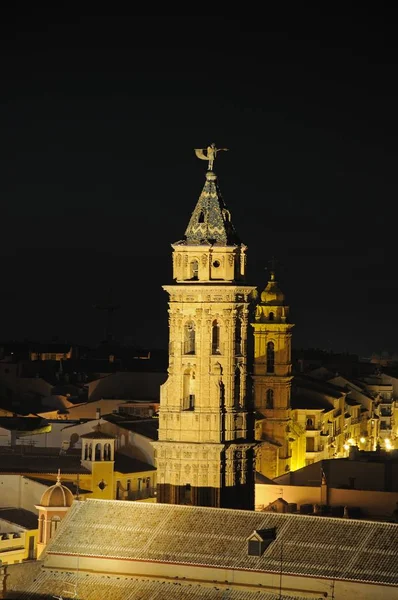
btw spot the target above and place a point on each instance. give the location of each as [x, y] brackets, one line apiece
[210, 222]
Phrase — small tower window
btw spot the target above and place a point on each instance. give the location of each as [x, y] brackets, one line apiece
[215, 338]
[269, 400]
[189, 390]
[238, 337]
[201, 217]
[270, 357]
[237, 387]
[271, 316]
[189, 338]
[194, 269]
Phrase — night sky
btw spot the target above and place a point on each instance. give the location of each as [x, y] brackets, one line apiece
[99, 117]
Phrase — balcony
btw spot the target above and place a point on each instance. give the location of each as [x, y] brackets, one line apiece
[188, 403]
[141, 494]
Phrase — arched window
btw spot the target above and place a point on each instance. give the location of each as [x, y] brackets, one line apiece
[98, 452]
[55, 521]
[189, 390]
[85, 451]
[201, 217]
[41, 529]
[238, 336]
[107, 452]
[310, 423]
[270, 357]
[189, 338]
[194, 269]
[271, 316]
[215, 338]
[269, 399]
[237, 387]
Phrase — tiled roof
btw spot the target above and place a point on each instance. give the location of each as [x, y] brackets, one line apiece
[97, 435]
[19, 516]
[68, 484]
[312, 546]
[46, 461]
[127, 464]
[210, 222]
[49, 584]
[22, 423]
[145, 427]
[301, 401]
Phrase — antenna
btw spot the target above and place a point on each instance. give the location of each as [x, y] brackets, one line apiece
[281, 573]
[78, 487]
[110, 309]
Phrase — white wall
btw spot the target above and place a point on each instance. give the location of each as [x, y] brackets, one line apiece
[17, 491]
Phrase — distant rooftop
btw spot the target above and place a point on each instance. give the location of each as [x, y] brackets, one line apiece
[19, 516]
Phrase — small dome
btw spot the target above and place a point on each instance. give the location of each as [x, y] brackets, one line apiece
[57, 495]
[272, 294]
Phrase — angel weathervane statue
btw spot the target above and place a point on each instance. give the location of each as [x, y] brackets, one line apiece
[209, 153]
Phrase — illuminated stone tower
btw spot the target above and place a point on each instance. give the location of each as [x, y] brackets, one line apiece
[272, 384]
[205, 449]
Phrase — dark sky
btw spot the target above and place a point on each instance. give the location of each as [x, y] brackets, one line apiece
[99, 117]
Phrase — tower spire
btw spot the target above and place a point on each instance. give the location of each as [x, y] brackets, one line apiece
[210, 222]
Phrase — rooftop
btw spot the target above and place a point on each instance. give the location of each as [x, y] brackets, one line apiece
[19, 516]
[46, 584]
[312, 546]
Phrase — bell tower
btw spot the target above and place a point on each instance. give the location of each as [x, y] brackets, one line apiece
[272, 381]
[205, 450]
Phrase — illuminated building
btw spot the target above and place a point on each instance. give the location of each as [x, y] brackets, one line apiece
[109, 549]
[54, 504]
[282, 439]
[205, 447]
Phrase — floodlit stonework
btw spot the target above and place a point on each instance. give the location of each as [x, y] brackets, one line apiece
[205, 449]
[282, 439]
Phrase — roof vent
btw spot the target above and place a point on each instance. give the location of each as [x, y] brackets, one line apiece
[259, 541]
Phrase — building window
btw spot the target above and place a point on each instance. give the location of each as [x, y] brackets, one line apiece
[194, 269]
[270, 357]
[55, 521]
[128, 485]
[271, 316]
[189, 390]
[215, 338]
[41, 529]
[310, 423]
[237, 387]
[187, 494]
[189, 338]
[201, 217]
[269, 399]
[238, 337]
